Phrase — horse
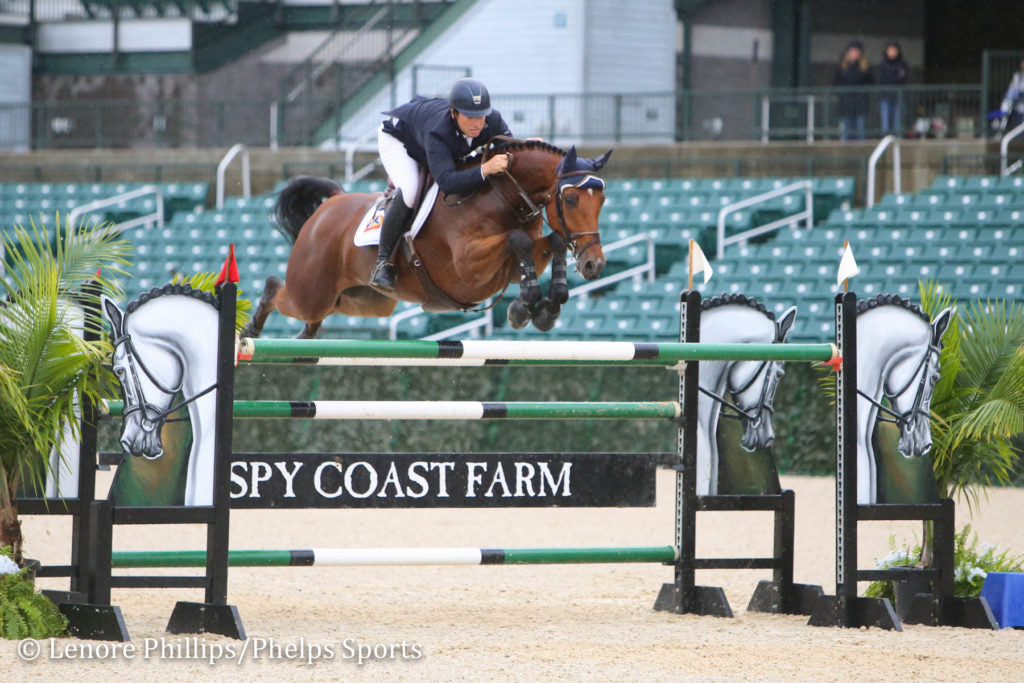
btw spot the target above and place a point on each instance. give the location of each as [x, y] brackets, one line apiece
[736, 318]
[898, 349]
[165, 343]
[469, 249]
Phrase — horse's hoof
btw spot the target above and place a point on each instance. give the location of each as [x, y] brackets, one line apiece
[518, 314]
[250, 331]
[559, 293]
[545, 315]
[530, 295]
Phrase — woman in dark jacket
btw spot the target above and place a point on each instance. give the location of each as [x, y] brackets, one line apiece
[853, 72]
[893, 71]
[434, 133]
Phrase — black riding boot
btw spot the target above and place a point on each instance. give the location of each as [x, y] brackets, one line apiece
[395, 219]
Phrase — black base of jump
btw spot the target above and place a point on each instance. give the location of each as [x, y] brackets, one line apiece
[798, 598]
[94, 622]
[930, 610]
[706, 601]
[834, 610]
[201, 617]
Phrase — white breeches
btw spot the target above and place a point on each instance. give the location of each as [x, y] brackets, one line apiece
[401, 168]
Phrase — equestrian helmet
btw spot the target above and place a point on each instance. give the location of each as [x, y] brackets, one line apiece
[470, 97]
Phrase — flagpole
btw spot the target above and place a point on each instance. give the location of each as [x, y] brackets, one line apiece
[690, 287]
[846, 280]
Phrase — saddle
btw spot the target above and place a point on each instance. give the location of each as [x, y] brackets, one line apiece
[437, 300]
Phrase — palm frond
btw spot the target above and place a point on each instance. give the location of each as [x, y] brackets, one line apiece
[49, 368]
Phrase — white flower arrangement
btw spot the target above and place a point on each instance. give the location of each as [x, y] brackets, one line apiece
[7, 565]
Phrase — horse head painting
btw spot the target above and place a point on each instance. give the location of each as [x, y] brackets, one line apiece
[898, 349]
[469, 249]
[165, 346]
[736, 318]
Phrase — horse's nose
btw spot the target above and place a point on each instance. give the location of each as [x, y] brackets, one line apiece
[126, 444]
[592, 268]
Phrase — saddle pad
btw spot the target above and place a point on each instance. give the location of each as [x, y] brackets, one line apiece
[368, 232]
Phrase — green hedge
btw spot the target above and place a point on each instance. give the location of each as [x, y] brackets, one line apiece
[804, 421]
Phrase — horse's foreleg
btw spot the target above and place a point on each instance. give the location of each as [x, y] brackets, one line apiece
[546, 312]
[522, 246]
[559, 290]
[266, 305]
[521, 308]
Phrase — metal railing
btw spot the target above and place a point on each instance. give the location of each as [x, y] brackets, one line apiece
[645, 269]
[897, 183]
[92, 10]
[156, 217]
[806, 214]
[222, 168]
[792, 114]
[360, 145]
[1004, 149]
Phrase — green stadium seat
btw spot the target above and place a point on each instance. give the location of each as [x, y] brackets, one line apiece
[975, 182]
[1013, 183]
[893, 199]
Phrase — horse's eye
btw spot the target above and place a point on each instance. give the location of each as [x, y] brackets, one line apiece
[572, 200]
[119, 372]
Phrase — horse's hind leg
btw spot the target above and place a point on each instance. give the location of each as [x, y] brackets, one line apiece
[310, 330]
[266, 305]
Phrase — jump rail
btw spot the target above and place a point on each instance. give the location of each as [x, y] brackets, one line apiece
[489, 352]
[447, 410]
[343, 557]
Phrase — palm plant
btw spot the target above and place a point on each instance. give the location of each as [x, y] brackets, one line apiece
[46, 369]
[978, 405]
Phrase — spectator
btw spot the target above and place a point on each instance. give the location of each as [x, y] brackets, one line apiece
[893, 71]
[1012, 108]
[853, 72]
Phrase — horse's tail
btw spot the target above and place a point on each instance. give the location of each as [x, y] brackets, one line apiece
[299, 199]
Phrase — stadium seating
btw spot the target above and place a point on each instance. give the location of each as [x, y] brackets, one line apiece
[965, 232]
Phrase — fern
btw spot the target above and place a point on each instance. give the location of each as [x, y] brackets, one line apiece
[24, 613]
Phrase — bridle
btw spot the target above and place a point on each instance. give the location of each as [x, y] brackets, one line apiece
[527, 211]
[152, 416]
[903, 419]
[764, 401]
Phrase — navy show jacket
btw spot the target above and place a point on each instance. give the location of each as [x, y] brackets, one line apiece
[433, 139]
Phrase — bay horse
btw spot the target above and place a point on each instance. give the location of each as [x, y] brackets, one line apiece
[470, 248]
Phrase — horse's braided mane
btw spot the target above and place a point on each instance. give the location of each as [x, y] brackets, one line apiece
[171, 289]
[503, 145]
[891, 300]
[727, 298]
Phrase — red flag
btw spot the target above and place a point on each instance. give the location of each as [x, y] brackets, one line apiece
[229, 273]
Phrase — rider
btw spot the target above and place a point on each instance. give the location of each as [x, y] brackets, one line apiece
[433, 132]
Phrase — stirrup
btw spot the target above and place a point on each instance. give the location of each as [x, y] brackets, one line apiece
[382, 277]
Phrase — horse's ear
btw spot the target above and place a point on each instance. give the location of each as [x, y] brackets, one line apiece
[569, 163]
[941, 324]
[602, 160]
[785, 324]
[114, 314]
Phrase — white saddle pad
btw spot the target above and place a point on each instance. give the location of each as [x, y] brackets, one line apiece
[368, 232]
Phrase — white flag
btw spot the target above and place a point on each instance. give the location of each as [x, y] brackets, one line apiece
[698, 262]
[847, 266]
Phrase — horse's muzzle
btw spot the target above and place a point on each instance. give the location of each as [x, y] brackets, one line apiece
[591, 268]
[145, 444]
